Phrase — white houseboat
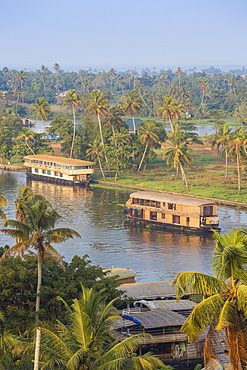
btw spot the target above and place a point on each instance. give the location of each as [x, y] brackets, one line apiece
[61, 170]
[172, 211]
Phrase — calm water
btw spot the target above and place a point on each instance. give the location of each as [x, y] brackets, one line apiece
[97, 214]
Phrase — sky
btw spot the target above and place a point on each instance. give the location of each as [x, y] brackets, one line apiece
[123, 34]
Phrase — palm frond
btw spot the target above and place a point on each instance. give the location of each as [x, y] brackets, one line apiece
[202, 316]
[197, 283]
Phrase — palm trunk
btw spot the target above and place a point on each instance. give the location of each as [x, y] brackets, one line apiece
[44, 128]
[134, 124]
[183, 176]
[37, 349]
[226, 175]
[73, 138]
[170, 121]
[239, 175]
[100, 166]
[100, 129]
[37, 308]
[29, 148]
[144, 153]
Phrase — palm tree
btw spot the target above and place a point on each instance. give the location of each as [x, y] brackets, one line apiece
[22, 77]
[114, 119]
[171, 109]
[3, 203]
[95, 150]
[222, 140]
[224, 307]
[177, 154]
[179, 72]
[87, 342]
[98, 105]
[27, 136]
[148, 136]
[74, 100]
[41, 110]
[36, 231]
[132, 105]
[237, 149]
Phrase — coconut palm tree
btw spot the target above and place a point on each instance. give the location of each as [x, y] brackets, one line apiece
[95, 150]
[87, 342]
[132, 105]
[224, 306]
[148, 137]
[36, 231]
[222, 140]
[98, 105]
[171, 109]
[3, 203]
[27, 136]
[114, 119]
[237, 148]
[177, 154]
[41, 110]
[74, 100]
[22, 77]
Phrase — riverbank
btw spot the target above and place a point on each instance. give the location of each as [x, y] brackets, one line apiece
[131, 187]
[10, 167]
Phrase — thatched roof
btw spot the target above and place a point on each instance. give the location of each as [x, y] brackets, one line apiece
[177, 199]
[168, 304]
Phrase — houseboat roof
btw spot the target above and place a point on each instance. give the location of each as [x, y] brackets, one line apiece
[177, 199]
[59, 160]
[149, 290]
[156, 319]
[122, 273]
[168, 304]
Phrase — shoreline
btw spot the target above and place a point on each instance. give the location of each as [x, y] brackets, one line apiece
[218, 201]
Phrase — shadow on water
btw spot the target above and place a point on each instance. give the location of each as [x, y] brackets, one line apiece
[97, 214]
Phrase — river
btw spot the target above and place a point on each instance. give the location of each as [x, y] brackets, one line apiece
[97, 214]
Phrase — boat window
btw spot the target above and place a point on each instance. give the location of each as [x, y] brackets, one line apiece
[153, 203]
[208, 211]
[187, 221]
[176, 219]
[43, 171]
[164, 204]
[61, 174]
[136, 212]
[55, 173]
[147, 202]
[142, 202]
[153, 216]
[158, 204]
[48, 172]
[36, 170]
[133, 200]
[163, 215]
[137, 201]
[171, 206]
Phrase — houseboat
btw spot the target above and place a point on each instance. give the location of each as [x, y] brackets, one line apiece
[172, 211]
[60, 170]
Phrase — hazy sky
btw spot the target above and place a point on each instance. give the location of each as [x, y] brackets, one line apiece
[123, 34]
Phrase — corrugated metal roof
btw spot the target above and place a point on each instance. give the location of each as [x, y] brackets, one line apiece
[123, 273]
[157, 318]
[169, 304]
[149, 290]
[59, 160]
[177, 199]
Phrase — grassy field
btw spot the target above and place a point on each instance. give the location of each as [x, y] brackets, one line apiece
[205, 176]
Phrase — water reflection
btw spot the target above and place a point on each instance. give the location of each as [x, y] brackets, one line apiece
[97, 214]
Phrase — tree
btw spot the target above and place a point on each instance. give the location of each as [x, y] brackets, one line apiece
[96, 150]
[132, 105]
[74, 100]
[27, 136]
[22, 77]
[225, 296]
[3, 203]
[37, 231]
[171, 109]
[87, 342]
[177, 154]
[98, 105]
[114, 120]
[147, 136]
[41, 110]
[223, 140]
[237, 148]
